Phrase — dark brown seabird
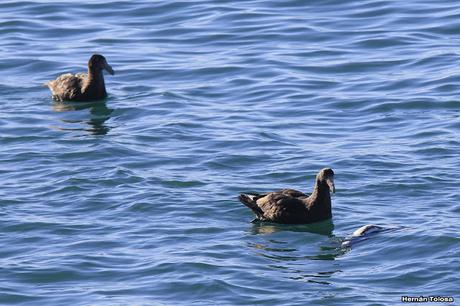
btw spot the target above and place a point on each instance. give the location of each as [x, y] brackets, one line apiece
[82, 86]
[292, 206]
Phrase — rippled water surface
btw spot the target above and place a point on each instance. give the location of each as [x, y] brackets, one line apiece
[132, 201]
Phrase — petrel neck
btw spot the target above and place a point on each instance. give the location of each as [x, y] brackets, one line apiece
[95, 83]
[320, 199]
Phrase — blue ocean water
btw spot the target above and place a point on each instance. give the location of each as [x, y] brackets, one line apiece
[134, 201]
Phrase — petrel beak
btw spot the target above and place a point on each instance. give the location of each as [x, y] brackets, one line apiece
[108, 68]
[330, 183]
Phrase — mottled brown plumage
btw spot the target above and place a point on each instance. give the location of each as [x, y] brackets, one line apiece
[82, 86]
[292, 206]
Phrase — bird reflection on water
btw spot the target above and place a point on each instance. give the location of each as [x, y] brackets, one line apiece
[95, 125]
[309, 262]
[324, 228]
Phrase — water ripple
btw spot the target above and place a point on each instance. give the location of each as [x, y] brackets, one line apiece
[133, 201]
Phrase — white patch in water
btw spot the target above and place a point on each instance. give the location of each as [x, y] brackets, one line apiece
[366, 229]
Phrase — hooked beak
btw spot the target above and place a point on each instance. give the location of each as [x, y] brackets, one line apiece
[330, 183]
[108, 68]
